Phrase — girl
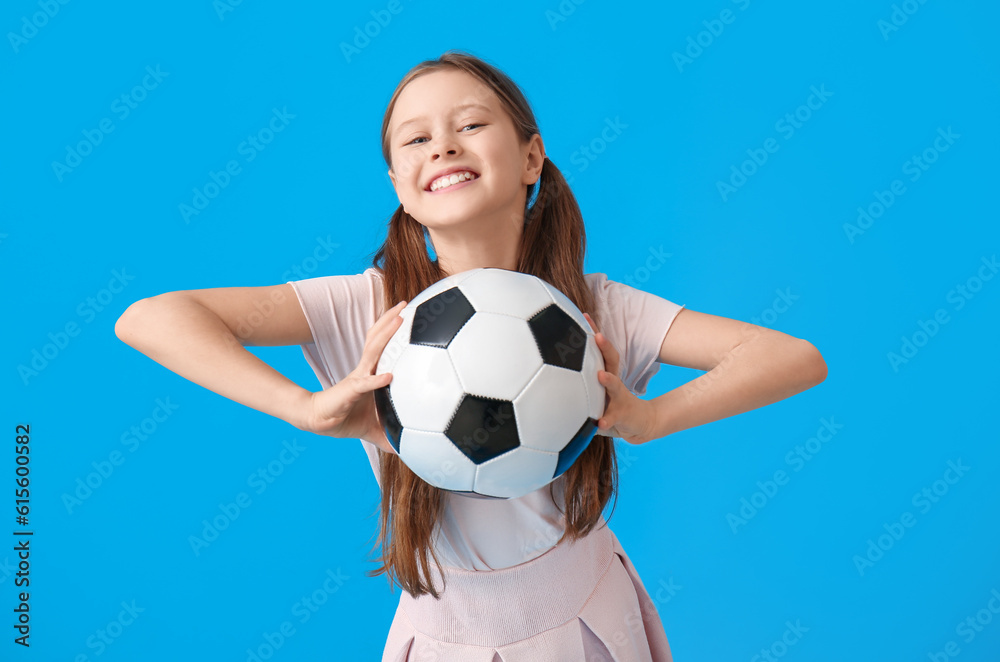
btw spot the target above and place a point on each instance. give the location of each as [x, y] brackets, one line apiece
[541, 577]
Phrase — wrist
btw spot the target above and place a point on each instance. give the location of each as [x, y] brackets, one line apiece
[296, 408]
[660, 414]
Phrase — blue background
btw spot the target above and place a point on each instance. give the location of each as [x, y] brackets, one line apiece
[685, 124]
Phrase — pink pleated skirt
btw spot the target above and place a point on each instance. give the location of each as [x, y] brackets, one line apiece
[581, 601]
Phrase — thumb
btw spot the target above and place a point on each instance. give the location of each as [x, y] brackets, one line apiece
[361, 382]
[372, 382]
[611, 382]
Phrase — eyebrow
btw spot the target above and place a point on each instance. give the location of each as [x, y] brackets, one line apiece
[464, 106]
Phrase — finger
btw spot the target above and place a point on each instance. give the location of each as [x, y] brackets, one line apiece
[611, 382]
[383, 328]
[616, 395]
[608, 418]
[609, 353]
[386, 318]
[606, 426]
[362, 385]
[591, 322]
[389, 316]
[379, 336]
[372, 382]
[604, 422]
[607, 423]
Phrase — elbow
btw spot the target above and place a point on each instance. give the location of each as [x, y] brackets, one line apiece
[122, 324]
[815, 365]
[126, 323]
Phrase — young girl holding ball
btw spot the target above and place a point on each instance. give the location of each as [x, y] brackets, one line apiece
[540, 577]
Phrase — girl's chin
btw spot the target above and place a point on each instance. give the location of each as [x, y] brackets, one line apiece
[450, 218]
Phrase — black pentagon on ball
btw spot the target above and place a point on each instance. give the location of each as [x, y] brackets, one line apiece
[576, 445]
[437, 320]
[483, 428]
[388, 417]
[560, 339]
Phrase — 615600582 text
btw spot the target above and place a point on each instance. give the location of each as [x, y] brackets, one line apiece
[22, 534]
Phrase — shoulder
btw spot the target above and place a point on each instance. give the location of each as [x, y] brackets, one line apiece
[369, 277]
[361, 291]
[613, 294]
[598, 283]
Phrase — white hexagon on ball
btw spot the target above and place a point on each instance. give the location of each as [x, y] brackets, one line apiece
[505, 292]
[551, 409]
[434, 458]
[428, 388]
[505, 368]
[516, 472]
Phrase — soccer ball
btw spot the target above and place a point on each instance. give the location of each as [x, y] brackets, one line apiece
[494, 388]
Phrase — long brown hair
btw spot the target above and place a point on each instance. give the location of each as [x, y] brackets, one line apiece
[553, 244]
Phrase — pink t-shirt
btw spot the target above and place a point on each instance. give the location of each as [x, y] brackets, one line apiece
[481, 534]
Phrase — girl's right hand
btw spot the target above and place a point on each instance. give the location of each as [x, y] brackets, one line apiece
[347, 409]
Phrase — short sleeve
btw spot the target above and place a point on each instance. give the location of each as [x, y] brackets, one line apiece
[636, 322]
[339, 310]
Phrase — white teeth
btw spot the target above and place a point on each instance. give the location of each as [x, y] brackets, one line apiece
[448, 180]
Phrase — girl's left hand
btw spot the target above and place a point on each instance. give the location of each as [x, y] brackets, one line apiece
[625, 416]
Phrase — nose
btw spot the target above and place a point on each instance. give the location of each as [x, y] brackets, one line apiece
[447, 145]
[450, 152]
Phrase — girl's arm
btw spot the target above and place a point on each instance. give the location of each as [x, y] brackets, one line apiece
[194, 334]
[748, 366]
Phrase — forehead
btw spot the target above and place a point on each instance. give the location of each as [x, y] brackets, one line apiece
[437, 93]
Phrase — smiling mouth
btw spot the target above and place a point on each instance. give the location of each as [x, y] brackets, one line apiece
[454, 180]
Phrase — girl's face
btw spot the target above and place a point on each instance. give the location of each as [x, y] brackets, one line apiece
[448, 120]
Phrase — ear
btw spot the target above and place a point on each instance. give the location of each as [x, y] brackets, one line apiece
[534, 159]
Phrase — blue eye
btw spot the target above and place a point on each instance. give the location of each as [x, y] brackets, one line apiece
[464, 127]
